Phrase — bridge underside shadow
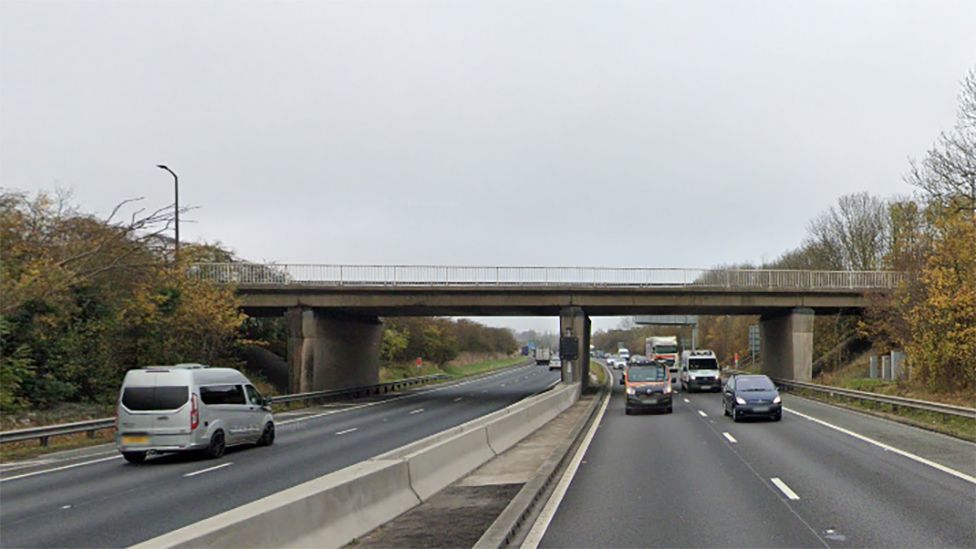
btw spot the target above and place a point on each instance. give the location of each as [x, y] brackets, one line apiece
[335, 349]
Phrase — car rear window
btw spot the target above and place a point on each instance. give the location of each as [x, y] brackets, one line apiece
[155, 398]
[222, 394]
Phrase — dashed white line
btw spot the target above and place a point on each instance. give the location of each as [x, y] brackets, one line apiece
[458, 399]
[417, 411]
[208, 469]
[784, 488]
[686, 400]
[702, 414]
[730, 438]
[347, 431]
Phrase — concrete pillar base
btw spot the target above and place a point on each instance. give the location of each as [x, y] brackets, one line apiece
[331, 351]
[574, 322]
[786, 343]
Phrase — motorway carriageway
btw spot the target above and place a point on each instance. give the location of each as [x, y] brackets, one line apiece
[108, 502]
[696, 479]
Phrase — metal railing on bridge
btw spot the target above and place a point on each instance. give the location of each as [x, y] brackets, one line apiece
[433, 275]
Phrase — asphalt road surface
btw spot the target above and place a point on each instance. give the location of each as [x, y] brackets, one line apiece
[100, 500]
[696, 479]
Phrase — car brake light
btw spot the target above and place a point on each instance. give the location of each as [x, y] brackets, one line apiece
[194, 413]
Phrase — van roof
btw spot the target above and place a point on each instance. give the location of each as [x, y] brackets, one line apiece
[196, 374]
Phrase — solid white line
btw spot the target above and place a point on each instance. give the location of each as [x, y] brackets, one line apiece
[417, 411]
[702, 414]
[62, 468]
[348, 431]
[784, 488]
[909, 455]
[686, 400]
[549, 511]
[458, 399]
[207, 470]
[730, 438]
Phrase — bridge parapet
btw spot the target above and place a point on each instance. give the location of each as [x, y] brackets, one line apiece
[543, 277]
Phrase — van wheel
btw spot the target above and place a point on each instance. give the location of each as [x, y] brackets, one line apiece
[670, 409]
[268, 435]
[134, 457]
[217, 446]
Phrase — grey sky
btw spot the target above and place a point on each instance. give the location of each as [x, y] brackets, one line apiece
[603, 133]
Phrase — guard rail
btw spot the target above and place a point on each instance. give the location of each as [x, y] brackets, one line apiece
[90, 427]
[910, 403]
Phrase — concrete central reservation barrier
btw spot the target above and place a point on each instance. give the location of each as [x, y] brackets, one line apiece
[334, 509]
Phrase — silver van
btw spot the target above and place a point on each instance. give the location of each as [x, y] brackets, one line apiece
[189, 407]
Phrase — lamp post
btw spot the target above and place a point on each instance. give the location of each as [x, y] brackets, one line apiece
[176, 205]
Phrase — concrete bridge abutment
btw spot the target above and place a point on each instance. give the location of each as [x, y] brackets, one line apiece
[573, 322]
[786, 341]
[329, 351]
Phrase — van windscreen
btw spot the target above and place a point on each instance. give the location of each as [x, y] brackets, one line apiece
[702, 364]
[154, 398]
[646, 373]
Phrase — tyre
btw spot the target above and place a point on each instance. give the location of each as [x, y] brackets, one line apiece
[627, 411]
[267, 435]
[134, 457]
[670, 409]
[778, 416]
[735, 415]
[217, 446]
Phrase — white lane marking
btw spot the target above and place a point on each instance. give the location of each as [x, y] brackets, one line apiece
[458, 399]
[503, 384]
[702, 414]
[208, 469]
[347, 431]
[909, 455]
[686, 400]
[549, 511]
[66, 507]
[394, 399]
[417, 411]
[62, 468]
[784, 488]
[730, 438]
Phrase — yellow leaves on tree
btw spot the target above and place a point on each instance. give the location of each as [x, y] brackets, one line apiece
[942, 349]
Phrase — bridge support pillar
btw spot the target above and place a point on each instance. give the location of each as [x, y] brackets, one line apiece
[573, 322]
[331, 351]
[786, 343]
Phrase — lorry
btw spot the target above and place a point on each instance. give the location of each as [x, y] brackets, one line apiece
[700, 371]
[542, 356]
[663, 348]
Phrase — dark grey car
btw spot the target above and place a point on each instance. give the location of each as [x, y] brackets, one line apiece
[751, 396]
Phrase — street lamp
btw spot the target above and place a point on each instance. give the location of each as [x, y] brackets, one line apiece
[176, 205]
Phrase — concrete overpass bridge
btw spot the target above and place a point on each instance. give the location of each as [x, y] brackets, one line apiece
[333, 311]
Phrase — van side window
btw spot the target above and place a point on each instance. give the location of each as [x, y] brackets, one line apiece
[222, 394]
[253, 395]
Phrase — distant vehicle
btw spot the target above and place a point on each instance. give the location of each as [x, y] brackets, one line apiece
[189, 407]
[542, 356]
[623, 353]
[616, 362]
[664, 348]
[648, 387]
[638, 359]
[751, 396]
[555, 364]
[700, 371]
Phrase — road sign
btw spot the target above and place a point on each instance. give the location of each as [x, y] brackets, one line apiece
[754, 339]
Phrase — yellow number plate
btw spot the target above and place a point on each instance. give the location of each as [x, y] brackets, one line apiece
[135, 440]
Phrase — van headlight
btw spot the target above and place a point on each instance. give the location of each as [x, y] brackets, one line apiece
[667, 389]
[777, 400]
[630, 391]
[740, 400]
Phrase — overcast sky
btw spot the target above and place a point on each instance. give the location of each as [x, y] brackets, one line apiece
[610, 133]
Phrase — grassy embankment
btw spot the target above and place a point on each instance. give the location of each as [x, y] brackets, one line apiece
[855, 376]
[465, 365]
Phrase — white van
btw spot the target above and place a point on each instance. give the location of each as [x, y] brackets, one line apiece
[189, 407]
[700, 371]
